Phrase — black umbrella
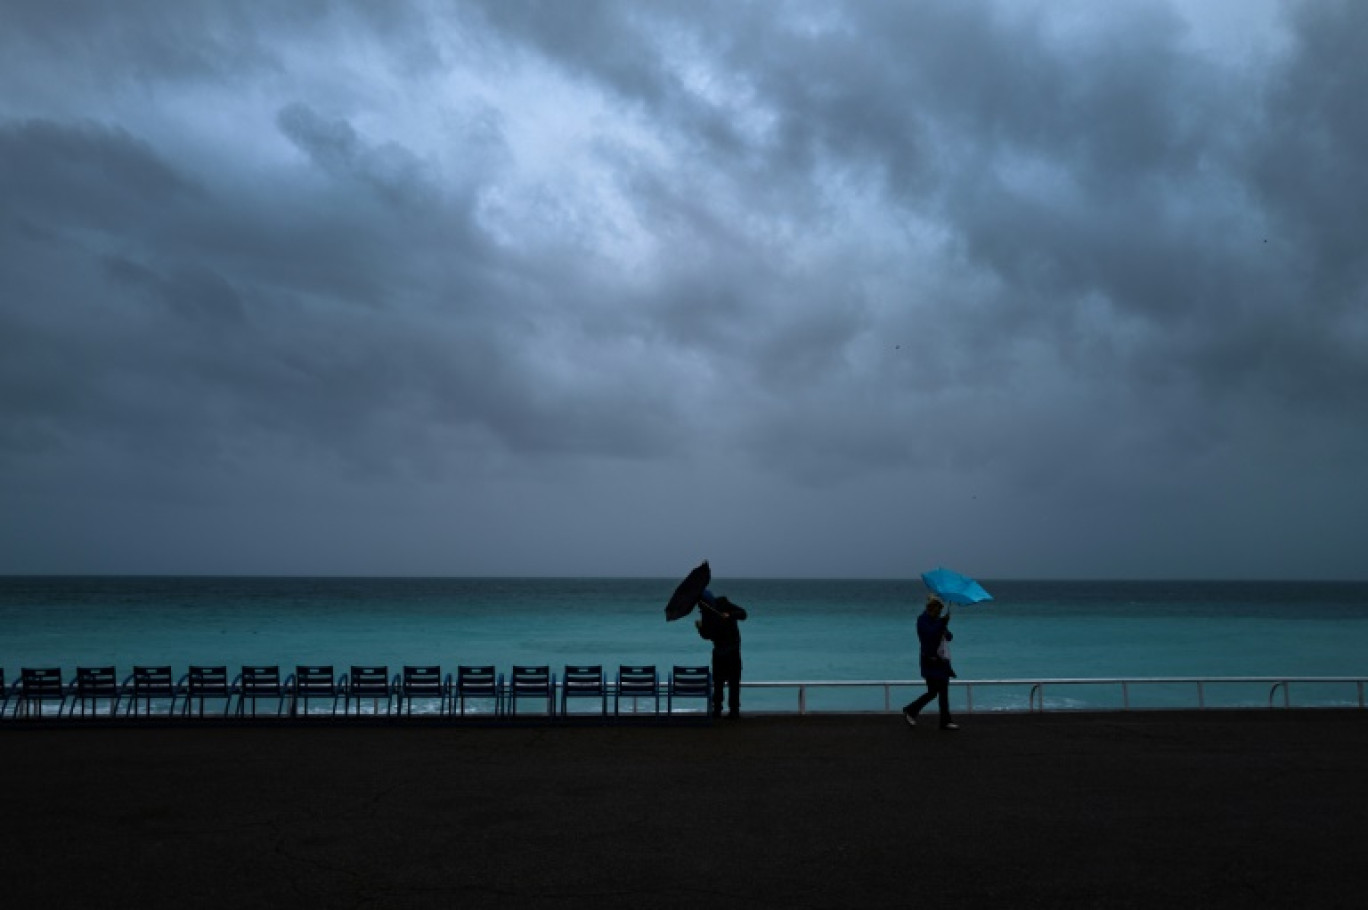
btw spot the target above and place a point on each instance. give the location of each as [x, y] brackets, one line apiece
[688, 593]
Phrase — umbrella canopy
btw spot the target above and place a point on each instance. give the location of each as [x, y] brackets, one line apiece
[688, 593]
[954, 587]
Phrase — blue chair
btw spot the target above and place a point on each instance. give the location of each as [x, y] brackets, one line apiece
[423, 682]
[38, 685]
[583, 682]
[201, 683]
[93, 684]
[147, 683]
[636, 682]
[532, 682]
[362, 683]
[690, 682]
[256, 682]
[478, 682]
[312, 682]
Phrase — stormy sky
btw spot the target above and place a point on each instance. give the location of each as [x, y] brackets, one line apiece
[1029, 289]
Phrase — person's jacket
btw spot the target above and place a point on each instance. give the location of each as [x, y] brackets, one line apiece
[719, 625]
[930, 631]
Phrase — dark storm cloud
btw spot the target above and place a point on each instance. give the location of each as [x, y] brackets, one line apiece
[88, 172]
[792, 265]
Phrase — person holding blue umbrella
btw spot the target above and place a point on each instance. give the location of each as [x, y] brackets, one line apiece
[933, 634]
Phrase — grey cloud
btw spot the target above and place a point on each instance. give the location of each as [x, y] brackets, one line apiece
[139, 42]
[337, 149]
[83, 172]
[195, 294]
[799, 264]
[1307, 164]
[331, 144]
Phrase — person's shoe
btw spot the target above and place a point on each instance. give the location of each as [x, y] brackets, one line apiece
[950, 726]
[909, 717]
[733, 714]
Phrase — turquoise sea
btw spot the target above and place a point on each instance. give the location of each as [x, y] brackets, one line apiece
[799, 630]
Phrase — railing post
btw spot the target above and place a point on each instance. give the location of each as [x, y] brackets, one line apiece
[1125, 695]
[969, 693]
[1201, 695]
[802, 700]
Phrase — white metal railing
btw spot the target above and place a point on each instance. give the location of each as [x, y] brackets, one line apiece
[1036, 688]
[1195, 692]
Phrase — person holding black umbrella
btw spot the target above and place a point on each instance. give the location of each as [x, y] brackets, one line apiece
[933, 634]
[718, 624]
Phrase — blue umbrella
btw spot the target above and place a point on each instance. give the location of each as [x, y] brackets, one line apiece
[954, 587]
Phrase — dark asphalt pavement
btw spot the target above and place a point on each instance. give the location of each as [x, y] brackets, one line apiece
[1201, 809]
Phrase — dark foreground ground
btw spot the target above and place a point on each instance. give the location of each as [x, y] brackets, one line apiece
[1217, 809]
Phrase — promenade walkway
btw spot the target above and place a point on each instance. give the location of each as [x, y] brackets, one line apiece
[1212, 809]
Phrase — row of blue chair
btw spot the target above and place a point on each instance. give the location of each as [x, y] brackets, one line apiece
[537, 685]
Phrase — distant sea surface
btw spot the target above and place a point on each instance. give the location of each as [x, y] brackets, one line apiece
[797, 630]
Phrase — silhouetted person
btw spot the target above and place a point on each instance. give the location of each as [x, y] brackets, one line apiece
[933, 632]
[718, 625]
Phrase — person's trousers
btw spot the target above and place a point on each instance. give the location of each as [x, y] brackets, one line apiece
[726, 672]
[935, 688]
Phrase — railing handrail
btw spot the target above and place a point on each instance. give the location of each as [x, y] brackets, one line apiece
[1035, 699]
[1029, 680]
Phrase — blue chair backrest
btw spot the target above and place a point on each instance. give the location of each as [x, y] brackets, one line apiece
[425, 680]
[368, 680]
[90, 680]
[637, 680]
[314, 679]
[581, 679]
[152, 679]
[259, 679]
[690, 681]
[531, 680]
[40, 682]
[207, 681]
[476, 680]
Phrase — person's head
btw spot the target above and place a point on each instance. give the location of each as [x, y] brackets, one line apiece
[934, 605]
